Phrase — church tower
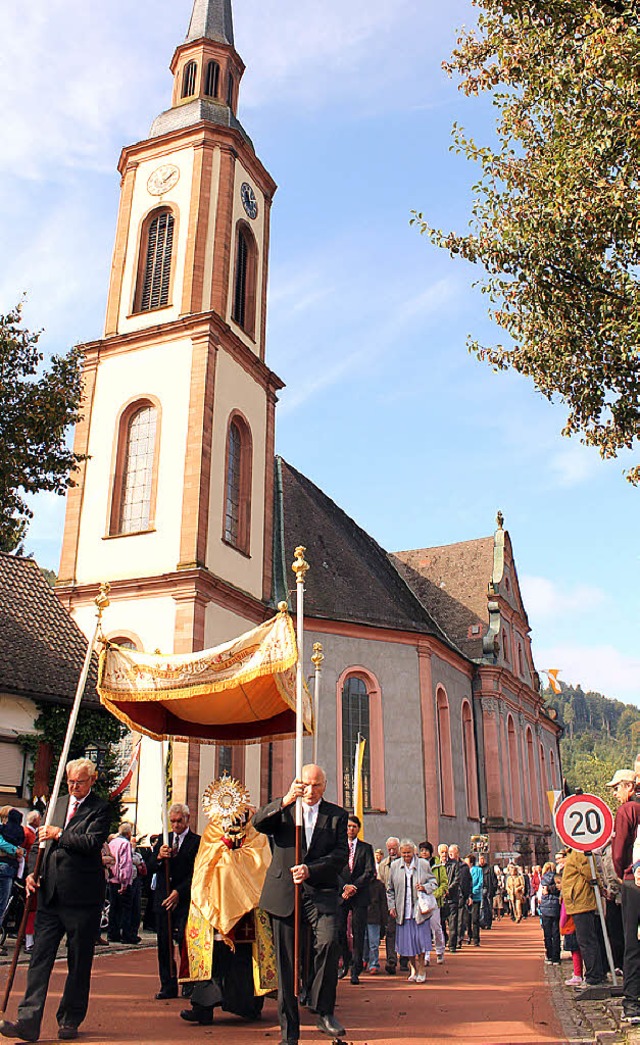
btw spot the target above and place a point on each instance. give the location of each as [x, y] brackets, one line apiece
[174, 503]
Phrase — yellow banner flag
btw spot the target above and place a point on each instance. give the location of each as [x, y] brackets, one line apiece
[358, 789]
[552, 675]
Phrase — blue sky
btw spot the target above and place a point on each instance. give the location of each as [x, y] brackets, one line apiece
[384, 408]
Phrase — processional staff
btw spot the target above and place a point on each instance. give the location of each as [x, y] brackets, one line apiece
[299, 567]
[101, 602]
[316, 660]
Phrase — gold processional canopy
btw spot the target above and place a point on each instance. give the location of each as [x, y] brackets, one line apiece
[239, 693]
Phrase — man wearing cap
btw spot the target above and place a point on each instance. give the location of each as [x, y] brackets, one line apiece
[627, 822]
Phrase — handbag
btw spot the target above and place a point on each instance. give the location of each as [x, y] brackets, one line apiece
[427, 903]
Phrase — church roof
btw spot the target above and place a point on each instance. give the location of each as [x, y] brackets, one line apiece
[351, 578]
[213, 20]
[42, 649]
[452, 583]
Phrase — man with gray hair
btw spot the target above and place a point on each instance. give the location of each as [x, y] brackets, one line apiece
[384, 870]
[172, 869]
[70, 892]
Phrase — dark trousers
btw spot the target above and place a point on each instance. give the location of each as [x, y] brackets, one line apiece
[81, 925]
[551, 930]
[615, 929]
[589, 944]
[630, 923]
[456, 925]
[390, 943]
[475, 921]
[358, 930]
[119, 913]
[487, 911]
[323, 979]
[166, 963]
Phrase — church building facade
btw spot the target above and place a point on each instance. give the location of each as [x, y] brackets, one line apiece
[183, 506]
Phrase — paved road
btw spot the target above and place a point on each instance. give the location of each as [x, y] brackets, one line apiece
[494, 995]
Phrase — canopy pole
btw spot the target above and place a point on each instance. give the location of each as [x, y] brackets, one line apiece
[299, 567]
[165, 840]
[101, 603]
[316, 660]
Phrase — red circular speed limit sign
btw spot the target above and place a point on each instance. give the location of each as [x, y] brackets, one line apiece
[584, 822]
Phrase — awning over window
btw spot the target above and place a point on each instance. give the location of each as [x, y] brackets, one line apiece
[238, 693]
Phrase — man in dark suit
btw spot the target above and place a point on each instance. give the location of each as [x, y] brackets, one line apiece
[70, 897]
[172, 892]
[324, 853]
[359, 870]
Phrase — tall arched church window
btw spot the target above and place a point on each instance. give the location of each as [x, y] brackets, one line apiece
[237, 499]
[189, 80]
[244, 282]
[447, 790]
[212, 80]
[156, 250]
[514, 765]
[355, 720]
[133, 497]
[470, 765]
[552, 772]
[543, 775]
[532, 789]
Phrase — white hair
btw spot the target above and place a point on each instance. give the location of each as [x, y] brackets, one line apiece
[408, 842]
[180, 807]
[83, 763]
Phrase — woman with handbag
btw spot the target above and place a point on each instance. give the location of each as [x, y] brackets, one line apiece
[410, 895]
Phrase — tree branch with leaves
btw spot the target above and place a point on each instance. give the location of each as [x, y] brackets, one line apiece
[555, 220]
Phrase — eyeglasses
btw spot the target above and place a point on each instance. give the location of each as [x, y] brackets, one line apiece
[82, 780]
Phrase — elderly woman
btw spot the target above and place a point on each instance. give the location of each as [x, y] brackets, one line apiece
[409, 878]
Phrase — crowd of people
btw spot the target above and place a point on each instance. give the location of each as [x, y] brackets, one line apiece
[223, 904]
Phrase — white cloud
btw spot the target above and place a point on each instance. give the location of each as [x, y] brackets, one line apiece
[574, 464]
[604, 669]
[546, 598]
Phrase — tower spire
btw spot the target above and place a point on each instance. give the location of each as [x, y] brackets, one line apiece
[211, 20]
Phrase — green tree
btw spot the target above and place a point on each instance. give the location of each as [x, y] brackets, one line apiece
[37, 406]
[556, 216]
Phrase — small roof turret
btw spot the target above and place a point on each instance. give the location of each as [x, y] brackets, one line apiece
[211, 20]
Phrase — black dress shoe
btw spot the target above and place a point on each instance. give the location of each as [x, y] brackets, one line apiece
[329, 1025]
[164, 994]
[198, 1014]
[355, 978]
[17, 1030]
[344, 971]
[67, 1033]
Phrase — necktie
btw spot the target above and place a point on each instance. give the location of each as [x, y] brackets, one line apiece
[71, 811]
[352, 854]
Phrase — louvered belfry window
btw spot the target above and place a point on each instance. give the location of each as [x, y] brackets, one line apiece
[157, 267]
[232, 493]
[189, 80]
[212, 80]
[240, 288]
[137, 474]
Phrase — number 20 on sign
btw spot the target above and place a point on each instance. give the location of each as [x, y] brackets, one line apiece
[584, 822]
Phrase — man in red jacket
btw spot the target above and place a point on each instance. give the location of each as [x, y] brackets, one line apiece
[626, 827]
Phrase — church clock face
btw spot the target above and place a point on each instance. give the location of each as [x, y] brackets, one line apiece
[162, 179]
[249, 201]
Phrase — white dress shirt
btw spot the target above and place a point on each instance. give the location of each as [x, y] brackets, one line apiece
[310, 814]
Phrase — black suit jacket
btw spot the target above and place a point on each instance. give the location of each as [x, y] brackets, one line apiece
[180, 870]
[364, 871]
[325, 857]
[72, 871]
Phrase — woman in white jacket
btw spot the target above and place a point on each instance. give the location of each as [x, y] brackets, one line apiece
[411, 880]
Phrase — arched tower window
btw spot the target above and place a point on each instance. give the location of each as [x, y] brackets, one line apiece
[514, 766]
[133, 497]
[245, 278]
[156, 249]
[237, 499]
[447, 790]
[212, 80]
[470, 767]
[230, 90]
[189, 80]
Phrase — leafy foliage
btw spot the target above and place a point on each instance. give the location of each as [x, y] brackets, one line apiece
[37, 406]
[601, 735]
[556, 216]
[95, 726]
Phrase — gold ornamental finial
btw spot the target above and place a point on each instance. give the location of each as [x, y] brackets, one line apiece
[317, 656]
[283, 607]
[500, 519]
[300, 566]
[102, 599]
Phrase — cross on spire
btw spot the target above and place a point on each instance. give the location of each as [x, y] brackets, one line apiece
[213, 20]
